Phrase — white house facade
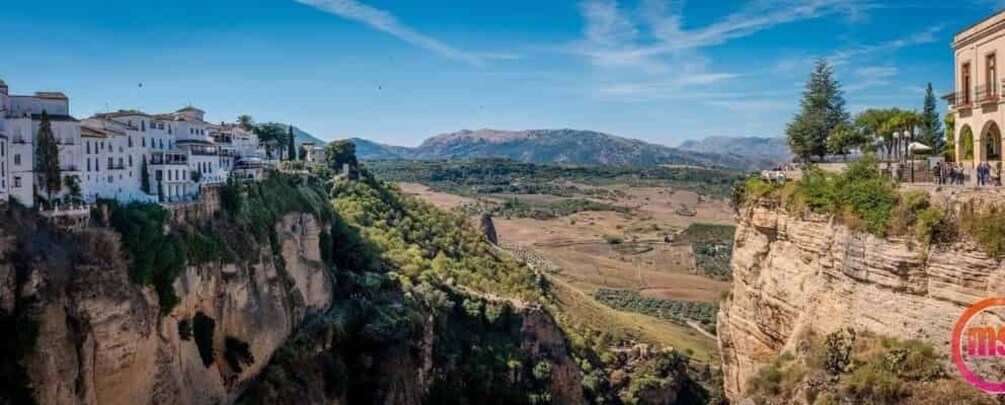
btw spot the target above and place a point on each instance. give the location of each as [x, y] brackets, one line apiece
[110, 153]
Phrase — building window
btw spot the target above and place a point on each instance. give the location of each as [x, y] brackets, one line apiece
[144, 141]
[110, 163]
[143, 126]
[88, 164]
[17, 182]
[159, 175]
[161, 143]
[88, 147]
[130, 160]
[17, 158]
[130, 141]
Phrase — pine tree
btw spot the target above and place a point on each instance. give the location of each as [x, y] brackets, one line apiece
[821, 110]
[931, 124]
[291, 146]
[144, 177]
[47, 158]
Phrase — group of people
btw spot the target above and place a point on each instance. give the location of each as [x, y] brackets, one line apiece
[954, 174]
[948, 173]
[985, 176]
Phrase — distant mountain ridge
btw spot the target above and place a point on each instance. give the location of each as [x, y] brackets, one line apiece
[776, 149]
[554, 146]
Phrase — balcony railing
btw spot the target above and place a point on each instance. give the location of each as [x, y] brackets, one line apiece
[987, 93]
[161, 161]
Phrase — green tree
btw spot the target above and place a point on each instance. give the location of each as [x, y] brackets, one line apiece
[872, 123]
[245, 122]
[144, 177]
[902, 121]
[291, 146]
[843, 139]
[47, 158]
[273, 136]
[821, 110]
[931, 124]
[73, 189]
[341, 152]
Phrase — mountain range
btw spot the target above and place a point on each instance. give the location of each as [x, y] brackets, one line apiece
[565, 146]
[776, 149]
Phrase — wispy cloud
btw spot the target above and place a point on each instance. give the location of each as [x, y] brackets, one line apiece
[653, 42]
[926, 36]
[388, 23]
[872, 76]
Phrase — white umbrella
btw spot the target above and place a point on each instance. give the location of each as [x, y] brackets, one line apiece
[915, 147]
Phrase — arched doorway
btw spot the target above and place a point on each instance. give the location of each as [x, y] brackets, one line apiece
[991, 140]
[965, 145]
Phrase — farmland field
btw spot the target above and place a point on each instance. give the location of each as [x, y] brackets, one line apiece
[652, 260]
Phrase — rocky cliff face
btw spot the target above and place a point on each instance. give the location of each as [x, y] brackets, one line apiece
[101, 338]
[796, 274]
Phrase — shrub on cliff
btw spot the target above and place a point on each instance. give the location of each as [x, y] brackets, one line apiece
[155, 258]
[987, 227]
[849, 367]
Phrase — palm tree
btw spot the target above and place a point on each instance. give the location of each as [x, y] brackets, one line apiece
[909, 122]
[245, 122]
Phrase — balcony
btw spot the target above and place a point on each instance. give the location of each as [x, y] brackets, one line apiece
[987, 94]
[959, 99]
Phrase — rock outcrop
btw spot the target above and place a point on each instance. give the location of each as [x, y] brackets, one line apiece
[103, 340]
[796, 274]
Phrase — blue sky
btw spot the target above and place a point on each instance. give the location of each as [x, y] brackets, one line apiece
[400, 71]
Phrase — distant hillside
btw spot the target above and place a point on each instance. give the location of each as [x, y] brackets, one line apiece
[370, 150]
[300, 135]
[555, 146]
[775, 149]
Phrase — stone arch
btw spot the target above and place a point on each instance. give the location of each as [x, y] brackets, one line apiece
[991, 142]
[965, 144]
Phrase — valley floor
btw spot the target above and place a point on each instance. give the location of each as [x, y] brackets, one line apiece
[637, 250]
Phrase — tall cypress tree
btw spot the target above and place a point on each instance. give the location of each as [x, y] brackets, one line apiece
[821, 110]
[291, 146]
[144, 176]
[47, 158]
[931, 124]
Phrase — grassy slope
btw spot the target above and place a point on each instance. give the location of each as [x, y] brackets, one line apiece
[583, 309]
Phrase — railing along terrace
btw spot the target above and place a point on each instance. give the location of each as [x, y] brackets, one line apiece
[987, 93]
[957, 99]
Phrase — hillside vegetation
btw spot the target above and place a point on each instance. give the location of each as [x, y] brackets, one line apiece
[501, 176]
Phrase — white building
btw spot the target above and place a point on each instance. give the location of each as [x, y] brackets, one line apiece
[21, 116]
[108, 152]
[113, 160]
[313, 153]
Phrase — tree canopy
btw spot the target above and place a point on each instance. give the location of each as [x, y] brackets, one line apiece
[245, 122]
[273, 136]
[821, 111]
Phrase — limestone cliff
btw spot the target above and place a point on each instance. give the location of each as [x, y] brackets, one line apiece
[101, 338]
[799, 273]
